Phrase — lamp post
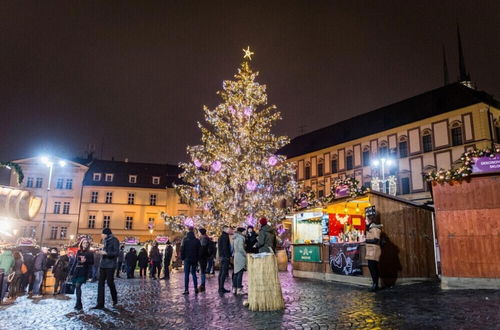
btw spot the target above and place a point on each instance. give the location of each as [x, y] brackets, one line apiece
[50, 165]
[382, 163]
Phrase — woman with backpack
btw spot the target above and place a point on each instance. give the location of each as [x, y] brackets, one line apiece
[61, 270]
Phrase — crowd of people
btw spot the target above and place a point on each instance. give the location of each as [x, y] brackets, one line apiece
[24, 272]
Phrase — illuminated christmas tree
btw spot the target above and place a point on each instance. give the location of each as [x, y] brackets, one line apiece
[235, 175]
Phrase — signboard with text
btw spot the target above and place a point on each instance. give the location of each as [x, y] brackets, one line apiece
[307, 253]
[486, 164]
[342, 191]
[345, 259]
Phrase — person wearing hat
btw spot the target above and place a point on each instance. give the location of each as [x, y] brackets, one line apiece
[240, 260]
[267, 237]
[107, 268]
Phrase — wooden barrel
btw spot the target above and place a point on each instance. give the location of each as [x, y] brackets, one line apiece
[282, 260]
[48, 283]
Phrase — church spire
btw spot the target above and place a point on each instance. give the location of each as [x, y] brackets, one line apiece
[445, 69]
[464, 75]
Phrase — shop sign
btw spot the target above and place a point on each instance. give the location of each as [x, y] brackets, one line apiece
[324, 224]
[26, 242]
[486, 164]
[307, 253]
[308, 215]
[342, 191]
[131, 241]
[345, 259]
[162, 239]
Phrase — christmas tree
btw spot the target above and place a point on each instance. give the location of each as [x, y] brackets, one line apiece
[235, 175]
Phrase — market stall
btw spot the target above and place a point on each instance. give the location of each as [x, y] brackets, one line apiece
[329, 241]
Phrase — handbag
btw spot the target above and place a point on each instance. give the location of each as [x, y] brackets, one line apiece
[69, 288]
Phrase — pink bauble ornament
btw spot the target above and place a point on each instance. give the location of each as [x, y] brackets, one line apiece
[273, 160]
[251, 185]
[197, 163]
[189, 222]
[216, 166]
[251, 220]
[231, 109]
[248, 111]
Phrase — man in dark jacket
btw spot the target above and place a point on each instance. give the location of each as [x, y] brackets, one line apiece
[39, 270]
[107, 268]
[169, 250]
[224, 247]
[204, 254]
[190, 254]
[155, 257]
[121, 257]
[131, 262]
[28, 278]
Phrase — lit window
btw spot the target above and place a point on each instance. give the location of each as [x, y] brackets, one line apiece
[91, 223]
[69, 183]
[156, 180]
[57, 207]
[59, 183]
[97, 177]
[109, 197]
[94, 197]
[152, 199]
[66, 208]
[131, 198]
[109, 177]
[132, 178]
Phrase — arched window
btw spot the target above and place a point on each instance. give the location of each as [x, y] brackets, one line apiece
[349, 160]
[366, 156]
[427, 140]
[308, 171]
[320, 167]
[383, 149]
[403, 147]
[335, 164]
[456, 133]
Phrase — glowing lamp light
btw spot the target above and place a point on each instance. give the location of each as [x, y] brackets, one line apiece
[45, 160]
[389, 162]
[197, 163]
[375, 162]
[216, 166]
[357, 208]
[273, 160]
[251, 185]
[62, 163]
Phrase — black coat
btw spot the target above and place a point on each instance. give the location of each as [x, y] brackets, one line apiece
[112, 248]
[169, 251]
[131, 259]
[251, 242]
[80, 268]
[29, 261]
[224, 246]
[61, 268]
[190, 249]
[155, 254]
[143, 259]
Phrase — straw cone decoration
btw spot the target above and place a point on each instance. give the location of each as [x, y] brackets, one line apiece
[264, 289]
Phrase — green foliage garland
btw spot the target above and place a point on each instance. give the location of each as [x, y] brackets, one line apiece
[17, 169]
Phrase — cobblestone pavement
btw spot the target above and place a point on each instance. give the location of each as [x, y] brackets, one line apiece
[158, 304]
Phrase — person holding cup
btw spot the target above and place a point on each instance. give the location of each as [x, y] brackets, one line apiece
[80, 269]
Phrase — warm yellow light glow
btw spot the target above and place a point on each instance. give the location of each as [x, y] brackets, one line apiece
[248, 53]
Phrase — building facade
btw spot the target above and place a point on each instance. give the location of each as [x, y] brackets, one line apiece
[426, 132]
[58, 183]
[128, 198]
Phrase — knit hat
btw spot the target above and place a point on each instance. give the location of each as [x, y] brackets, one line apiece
[203, 231]
[106, 231]
[263, 221]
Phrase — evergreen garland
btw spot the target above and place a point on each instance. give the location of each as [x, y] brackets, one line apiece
[17, 169]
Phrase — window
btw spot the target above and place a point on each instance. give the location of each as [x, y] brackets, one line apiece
[152, 199]
[427, 141]
[348, 161]
[59, 183]
[131, 198]
[96, 177]
[57, 207]
[182, 200]
[321, 193]
[38, 183]
[151, 223]
[308, 172]
[109, 177]
[367, 185]
[335, 165]
[132, 178]
[156, 180]
[53, 232]
[366, 157]
[456, 135]
[383, 150]
[403, 148]
[405, 186]
[63, 234]
[106, 221]
[66, 208]
[497, 132]
[320, 169]
[29, 231]
[128, 222]
[69, 183]
[109, 197]
[91, 223]
[29, 182]
[94, 197]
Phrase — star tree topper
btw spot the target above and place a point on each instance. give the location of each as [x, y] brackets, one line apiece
[248, 53]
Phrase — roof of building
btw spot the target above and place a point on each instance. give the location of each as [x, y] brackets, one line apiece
[168, 174]
[441, 100]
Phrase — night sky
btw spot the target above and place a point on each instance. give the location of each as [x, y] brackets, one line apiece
[132, 77]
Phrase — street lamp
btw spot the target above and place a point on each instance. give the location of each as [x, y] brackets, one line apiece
[382, 163]
[50, 164]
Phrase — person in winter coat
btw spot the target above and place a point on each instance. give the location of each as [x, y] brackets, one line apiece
[61, 270]
[28, 278]
[15, 284]
[373, 249]
[240, 260]
[52, 258]
[190, 255]
[224, 246]
[39, 270]
[169, 250]
[131, 262]
[79, 269]
[155, 257]
[121, 257]
[204, 254]
[7, 266]
[94, 270]
[143, 260]
[107, 268]
[267, 237]
[251, 241]
[212, 250]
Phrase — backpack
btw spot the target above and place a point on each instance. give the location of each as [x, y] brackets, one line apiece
[211, 248]
[24, 269]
